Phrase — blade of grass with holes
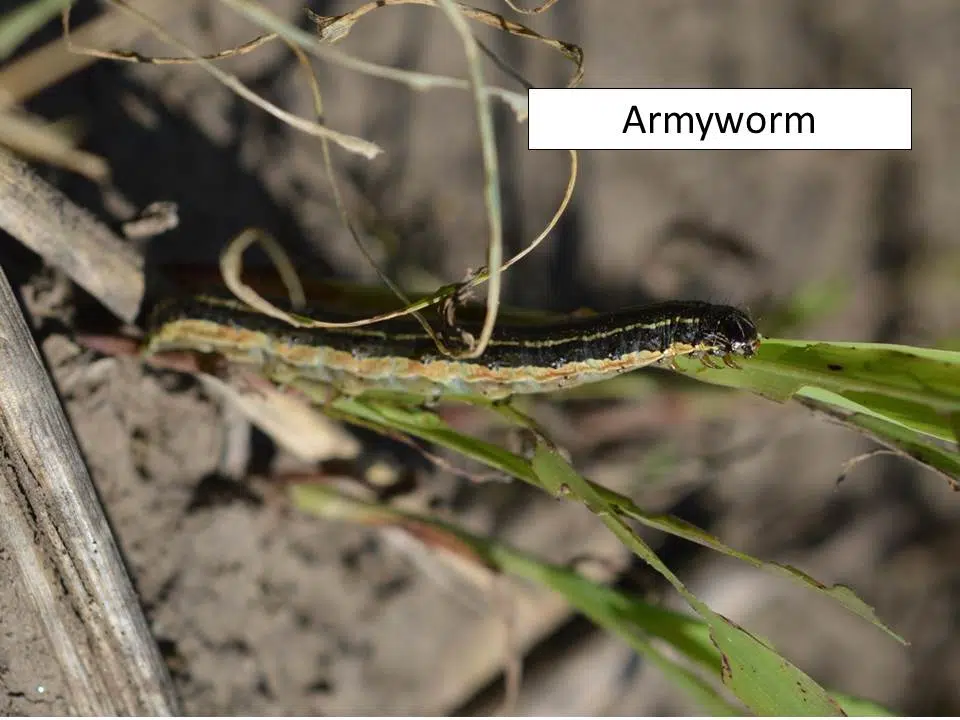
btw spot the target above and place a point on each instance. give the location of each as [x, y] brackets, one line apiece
[906, 397]
[388, 416]
[764, 681]
[639, 623]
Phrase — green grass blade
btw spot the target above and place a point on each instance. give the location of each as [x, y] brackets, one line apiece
[680, 528]
[632, 619]
[637, 622]
[905, 397]
[858, 707]
[17, 25]
[764, 681]
[385, 416]
[921, 448]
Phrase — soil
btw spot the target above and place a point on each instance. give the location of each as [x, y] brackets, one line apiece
[261, 610]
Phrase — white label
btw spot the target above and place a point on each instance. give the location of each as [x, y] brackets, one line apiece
[684, 119]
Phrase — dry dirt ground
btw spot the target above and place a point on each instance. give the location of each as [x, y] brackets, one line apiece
[261, 611]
